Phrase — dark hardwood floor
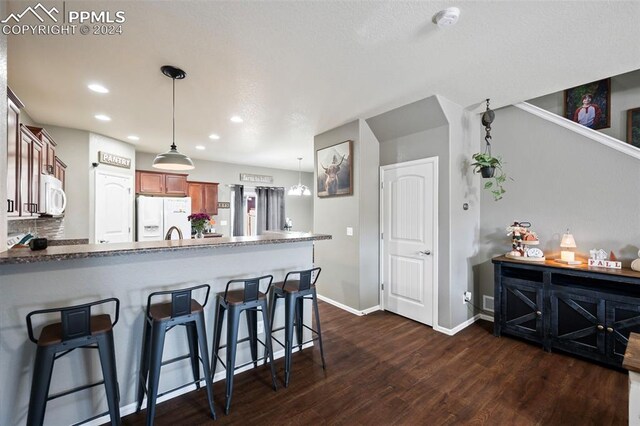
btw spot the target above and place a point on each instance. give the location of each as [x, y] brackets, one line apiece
[384, 369]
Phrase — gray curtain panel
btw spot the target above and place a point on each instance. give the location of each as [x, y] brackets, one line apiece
[238, 213]
[270, 209]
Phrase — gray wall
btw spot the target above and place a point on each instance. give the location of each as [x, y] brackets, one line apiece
[625, 95]
[561, 180]
[73, 150]
[3, 134]
[298, 209]
[339, 257]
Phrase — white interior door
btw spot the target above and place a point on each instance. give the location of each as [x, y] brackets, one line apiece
[114, 208]
[409, 215]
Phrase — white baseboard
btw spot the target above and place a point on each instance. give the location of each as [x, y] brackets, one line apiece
[131, 408]
[462, 326]
[349, 308]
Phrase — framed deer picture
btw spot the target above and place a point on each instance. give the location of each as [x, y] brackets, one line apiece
[335, 170]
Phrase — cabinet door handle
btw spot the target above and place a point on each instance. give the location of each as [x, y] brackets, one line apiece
[600, 327]
[609, 330]
[10, 206]
[538, 313]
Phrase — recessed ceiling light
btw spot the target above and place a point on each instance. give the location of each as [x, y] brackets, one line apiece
[133, 138]
[236, 119]
[102, 117]
[98, 88]
[214, 137]
[200, 147]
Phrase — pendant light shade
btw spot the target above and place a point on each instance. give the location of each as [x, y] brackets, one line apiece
[173, 159]
[299, 189]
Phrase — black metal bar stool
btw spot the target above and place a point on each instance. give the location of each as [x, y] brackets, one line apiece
[248, 299]
[77, 329]
[295, 292]
[160, 318]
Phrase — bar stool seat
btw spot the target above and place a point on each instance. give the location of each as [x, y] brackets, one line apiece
[159, 319]
[78, 329]
[295, 292]
[250, 300]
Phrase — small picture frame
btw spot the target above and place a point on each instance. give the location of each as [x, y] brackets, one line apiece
[334, 166]
[633, 127]
[589, 104]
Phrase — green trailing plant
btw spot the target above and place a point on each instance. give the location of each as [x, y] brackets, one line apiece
[490, 167]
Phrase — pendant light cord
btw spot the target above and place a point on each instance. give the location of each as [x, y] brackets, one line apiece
[173, 142]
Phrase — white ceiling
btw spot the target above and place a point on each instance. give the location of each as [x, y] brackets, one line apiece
[296, 69]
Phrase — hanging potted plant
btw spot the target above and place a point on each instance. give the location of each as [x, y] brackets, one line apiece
[490, 167]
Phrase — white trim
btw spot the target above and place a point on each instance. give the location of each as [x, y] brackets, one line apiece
[436, 161]
[617, 144]
[463, 325]
[349, 308]
[485, 317]
[131, 408]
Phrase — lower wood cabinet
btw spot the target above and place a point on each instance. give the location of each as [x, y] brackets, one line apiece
[585, 312]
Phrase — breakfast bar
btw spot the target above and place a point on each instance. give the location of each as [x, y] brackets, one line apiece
[69, 275]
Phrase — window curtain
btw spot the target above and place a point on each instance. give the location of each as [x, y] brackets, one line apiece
[270, 209]
[238, 219]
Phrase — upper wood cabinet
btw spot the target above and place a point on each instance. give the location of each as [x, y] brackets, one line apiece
[157, 183]
[49, 147]
[30, 165]
[13, 149]
[60, 171]
[204, 197]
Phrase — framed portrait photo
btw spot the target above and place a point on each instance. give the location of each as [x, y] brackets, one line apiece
[589, 104]
[633, 127]
[335, 170]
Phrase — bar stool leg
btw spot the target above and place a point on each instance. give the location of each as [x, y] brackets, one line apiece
[40, 385]
[108, 363]
[157, 345]
[217, 331]
[144, 363]
[289, 311]
[192, 338]
[315, 308]
[268, 346]
[252, 327]
[299, 319]
[233, 321]
[202, 337]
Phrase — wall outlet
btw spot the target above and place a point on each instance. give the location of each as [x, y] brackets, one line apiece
[260, 327]
[349, 231]
[223, 223]
[467, 297]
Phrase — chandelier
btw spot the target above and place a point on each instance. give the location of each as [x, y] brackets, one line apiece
[299, 189]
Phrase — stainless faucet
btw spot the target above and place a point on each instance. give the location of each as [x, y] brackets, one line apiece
[170, 231]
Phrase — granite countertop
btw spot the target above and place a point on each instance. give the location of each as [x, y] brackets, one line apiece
[58, 253]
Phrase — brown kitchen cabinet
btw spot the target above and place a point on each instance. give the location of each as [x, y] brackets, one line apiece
[59, 170]
[157, 183]
[30, 167]
[204, 197]
[49, 148]
[13, 149]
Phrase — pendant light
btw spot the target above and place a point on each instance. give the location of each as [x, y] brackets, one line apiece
[299, 189]
[172, 159]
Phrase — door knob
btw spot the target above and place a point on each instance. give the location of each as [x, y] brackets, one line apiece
[427, 252]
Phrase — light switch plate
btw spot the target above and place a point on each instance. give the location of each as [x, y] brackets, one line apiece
[223, 223]
[349, 231]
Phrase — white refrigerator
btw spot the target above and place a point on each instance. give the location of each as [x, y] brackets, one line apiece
[155, 215]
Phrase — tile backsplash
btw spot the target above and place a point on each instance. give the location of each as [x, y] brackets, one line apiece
[52, 228]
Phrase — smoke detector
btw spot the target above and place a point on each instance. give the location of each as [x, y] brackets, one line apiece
[447, 18]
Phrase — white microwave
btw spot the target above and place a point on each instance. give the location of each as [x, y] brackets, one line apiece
[53, 200]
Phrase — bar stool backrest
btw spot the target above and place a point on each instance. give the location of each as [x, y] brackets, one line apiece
[180, 299]
[76, 320]
[251, 287]
[307, 278]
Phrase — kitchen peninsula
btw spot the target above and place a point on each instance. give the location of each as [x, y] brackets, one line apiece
[68, 275]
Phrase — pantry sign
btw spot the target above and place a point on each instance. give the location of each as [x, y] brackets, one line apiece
[114, 160]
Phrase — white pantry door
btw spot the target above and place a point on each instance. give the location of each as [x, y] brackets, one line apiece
[114, 208]
[409, 239]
